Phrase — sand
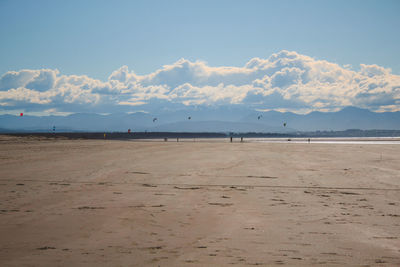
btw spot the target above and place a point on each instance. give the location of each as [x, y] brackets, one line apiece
[133, 203]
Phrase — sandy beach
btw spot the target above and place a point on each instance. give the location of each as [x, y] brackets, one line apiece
[133, 203]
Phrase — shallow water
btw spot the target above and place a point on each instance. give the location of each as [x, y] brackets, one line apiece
[339, 140]
[302, 140]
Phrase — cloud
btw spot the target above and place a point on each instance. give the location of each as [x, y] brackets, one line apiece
[123, 75]
[284, 81]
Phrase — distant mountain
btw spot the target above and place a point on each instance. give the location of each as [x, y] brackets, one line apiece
[218, 126]
[211, 119]
[347, 118]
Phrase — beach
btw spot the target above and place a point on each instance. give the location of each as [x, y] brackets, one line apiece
[198, 203]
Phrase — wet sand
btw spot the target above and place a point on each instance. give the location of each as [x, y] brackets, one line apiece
[132, 203]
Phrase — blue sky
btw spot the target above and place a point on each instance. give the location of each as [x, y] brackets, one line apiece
[96, 38]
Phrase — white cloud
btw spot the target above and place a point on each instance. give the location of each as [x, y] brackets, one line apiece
[123, 75]
[15, 79]
[284, 81]
[132, 102]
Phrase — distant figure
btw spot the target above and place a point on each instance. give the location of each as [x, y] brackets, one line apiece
[54, 129]
[189, 118]
[177, 139]
[309, 140]
[284, 124]
[259, 117]
[165, 139]
[104, 135]
[129, 131]
[241, 139]
[154, 119]
[231, 139]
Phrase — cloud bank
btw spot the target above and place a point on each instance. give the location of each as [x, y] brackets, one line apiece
[284, 81]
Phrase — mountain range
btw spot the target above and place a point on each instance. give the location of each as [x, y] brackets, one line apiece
[211, 119]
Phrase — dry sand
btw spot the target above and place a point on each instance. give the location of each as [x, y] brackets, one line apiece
[130, 203]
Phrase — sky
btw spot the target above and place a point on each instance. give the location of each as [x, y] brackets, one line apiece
[60, 56]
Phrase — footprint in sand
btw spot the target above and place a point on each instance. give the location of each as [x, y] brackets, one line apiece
[45, 248]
